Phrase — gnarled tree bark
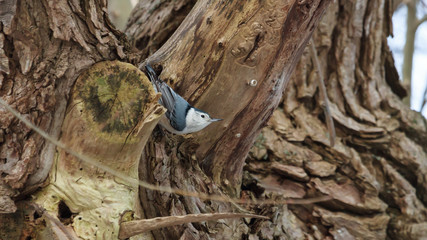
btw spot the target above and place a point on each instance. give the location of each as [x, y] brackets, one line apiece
[78, 35]
[236, 65]
[232, 59]
[45, 46]
[376, 170]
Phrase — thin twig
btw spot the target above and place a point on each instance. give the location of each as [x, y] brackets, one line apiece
[323, 94]
[132, 228]
[420, 21]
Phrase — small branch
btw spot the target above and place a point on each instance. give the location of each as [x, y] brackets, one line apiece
[420, 21]
[323, 94]
[132, 228]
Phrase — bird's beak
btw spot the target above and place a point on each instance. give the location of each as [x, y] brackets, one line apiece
[216, 119]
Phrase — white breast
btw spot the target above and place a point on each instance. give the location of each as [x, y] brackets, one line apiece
[193, 123]
[164, 122]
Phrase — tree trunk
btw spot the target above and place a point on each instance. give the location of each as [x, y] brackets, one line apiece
[45, 46]
[376, 170]
[258, 46]
[259, 54]
[232, 59]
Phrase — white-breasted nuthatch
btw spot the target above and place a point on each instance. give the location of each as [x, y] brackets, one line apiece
[181, 117]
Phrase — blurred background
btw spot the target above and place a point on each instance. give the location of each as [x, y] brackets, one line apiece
[409, 47]
[416, 20]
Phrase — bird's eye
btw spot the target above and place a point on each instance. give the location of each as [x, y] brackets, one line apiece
[203, 116]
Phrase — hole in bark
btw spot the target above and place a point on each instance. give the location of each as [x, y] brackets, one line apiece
[36, 215]
[209, 20]
[250, 184]
[64, 212]
[142, 43]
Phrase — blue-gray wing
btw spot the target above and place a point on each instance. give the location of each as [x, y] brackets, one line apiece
[176, 105]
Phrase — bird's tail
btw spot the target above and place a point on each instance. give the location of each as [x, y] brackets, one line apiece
[152, 75]
[154, 79]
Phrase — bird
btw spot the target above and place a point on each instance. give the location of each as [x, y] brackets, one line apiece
[180, 118]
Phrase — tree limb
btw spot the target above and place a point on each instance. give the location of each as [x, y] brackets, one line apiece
[420, 21]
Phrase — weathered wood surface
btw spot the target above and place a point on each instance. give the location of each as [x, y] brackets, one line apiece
[376, 171]
[45, 45]
[235, 65]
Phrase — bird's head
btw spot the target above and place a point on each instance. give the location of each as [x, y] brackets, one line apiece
[197, 119]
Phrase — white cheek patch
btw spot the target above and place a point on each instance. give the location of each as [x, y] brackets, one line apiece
[194, 121]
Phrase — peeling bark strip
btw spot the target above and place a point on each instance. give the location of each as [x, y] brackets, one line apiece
[218, 51]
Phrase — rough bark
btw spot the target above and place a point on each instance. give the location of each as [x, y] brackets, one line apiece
[376, 171]
[80, 34]
[46, 45]
[258, 46]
